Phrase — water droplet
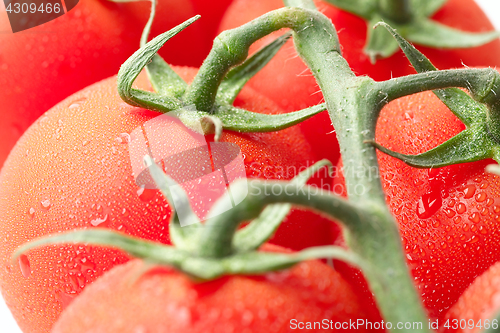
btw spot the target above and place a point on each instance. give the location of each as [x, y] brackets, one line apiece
[484, 185]
[123, 138]
[77, 103]
[46, 204]
[480, 197]
[489, 202]
[461, 208]
[85, 142]
[484, 211]
[469, 191]
[31, 212]
[457, 219]
[449, 212]
[98, 221]
[429, 204]
[451, 203]
[24, 265]
[475, 217]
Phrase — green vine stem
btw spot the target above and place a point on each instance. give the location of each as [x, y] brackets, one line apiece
[396, 10]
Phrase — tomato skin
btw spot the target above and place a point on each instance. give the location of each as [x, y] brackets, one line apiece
[480, 302]
[41, 66]
[71, 169]
[448, 217]
[163, 300]
[288, 82]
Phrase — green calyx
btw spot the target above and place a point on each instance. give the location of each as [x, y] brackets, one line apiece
[216, 248]
[480, 113]
[209, 98]
[412, 19]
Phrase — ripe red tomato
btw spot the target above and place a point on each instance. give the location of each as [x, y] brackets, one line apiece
[43, 65]
[477, 307]
[129, 299]
[448, 217]
[71, 169]
[288, 82]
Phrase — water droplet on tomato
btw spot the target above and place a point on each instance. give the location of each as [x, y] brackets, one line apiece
[429, 204]
[496, 209]
[480, 197]
[46, 204]
[469, 191]
[475, 217]
[461, 208]
[449, 212]
[24, 265]
[98, 221]
[123, 138]
[484, 211]
[31, 212]
[76, 104]
[489, 202]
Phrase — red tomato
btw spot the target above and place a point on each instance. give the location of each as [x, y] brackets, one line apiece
[41, 66]
[477, 307]
[71, 169]
[288, 82]
[448, 217]
[128, 299]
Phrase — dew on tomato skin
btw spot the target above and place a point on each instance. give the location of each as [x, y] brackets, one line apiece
[480, 197]
[469, 191]
[31, 212]
[461, 208]
[46, 204]
[449, 212]
[484, 211]
[24, 265]
[475, 217]
[99, 221]
[123, 138]
[489, 202]
[429, 204]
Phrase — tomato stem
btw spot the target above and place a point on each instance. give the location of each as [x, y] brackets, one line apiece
[353, 103]
[231, 48]
[399, 11]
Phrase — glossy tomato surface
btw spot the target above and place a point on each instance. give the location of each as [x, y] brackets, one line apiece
[41, 66]
[289, 82]
[72, 169]
[478, 306]
[448, 217]
[134, 297]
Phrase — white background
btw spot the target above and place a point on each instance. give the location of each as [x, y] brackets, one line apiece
[7, 323]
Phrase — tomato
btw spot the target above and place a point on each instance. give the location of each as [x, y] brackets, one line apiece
[448, 217]
[289, 83]
[43, 65]
[72, 169]
[477, 307]
[128, 299]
